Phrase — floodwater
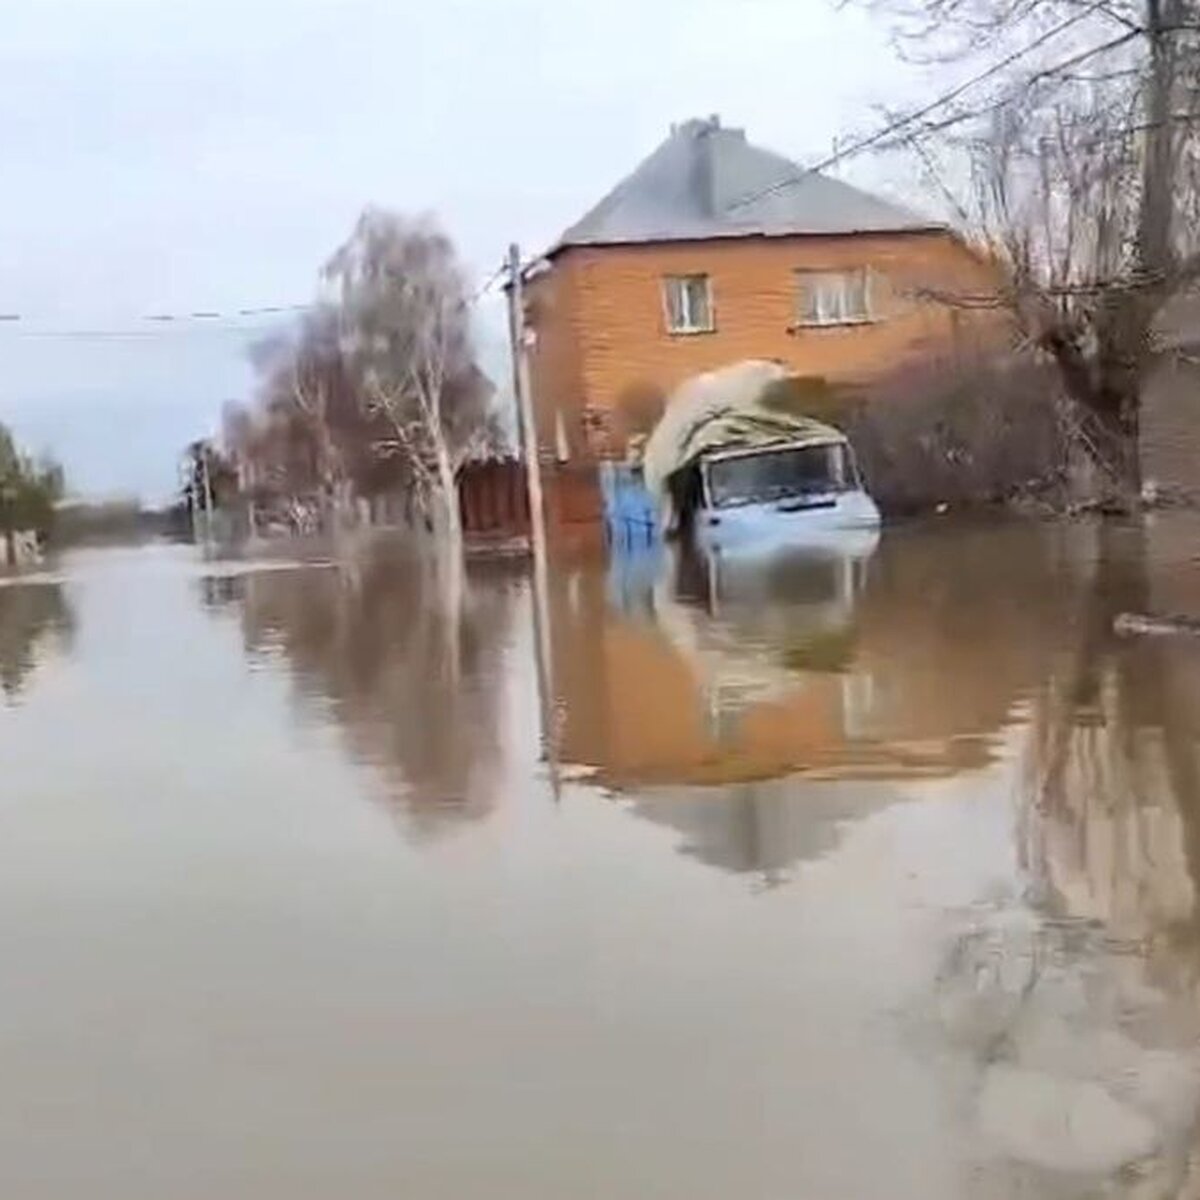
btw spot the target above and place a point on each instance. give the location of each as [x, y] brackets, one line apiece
[861, 876]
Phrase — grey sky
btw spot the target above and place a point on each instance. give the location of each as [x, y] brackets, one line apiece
[180, 155]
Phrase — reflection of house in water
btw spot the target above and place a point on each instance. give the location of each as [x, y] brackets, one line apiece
[35, 619]
[764, 826]
[754, 709]
[418, 693]
[905, 664]
[662, 693]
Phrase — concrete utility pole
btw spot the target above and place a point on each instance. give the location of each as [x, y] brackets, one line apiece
[208, 496]
[526, 423]
[199, 491]
[187, 476]
[527, 429]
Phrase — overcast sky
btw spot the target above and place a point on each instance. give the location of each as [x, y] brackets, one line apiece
[184, 155]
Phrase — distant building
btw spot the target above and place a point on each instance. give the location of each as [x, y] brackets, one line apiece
[714, 250]
[20, 548]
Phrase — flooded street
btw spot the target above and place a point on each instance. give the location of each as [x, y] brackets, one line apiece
[872, 875]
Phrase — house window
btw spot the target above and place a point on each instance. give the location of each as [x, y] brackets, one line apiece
[689, 303]
[833, 297]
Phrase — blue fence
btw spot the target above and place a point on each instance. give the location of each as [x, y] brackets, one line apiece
[630, 514]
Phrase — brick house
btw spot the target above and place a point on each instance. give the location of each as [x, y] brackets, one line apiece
[714, 250]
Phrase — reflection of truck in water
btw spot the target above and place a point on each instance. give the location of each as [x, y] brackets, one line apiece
[731, 466]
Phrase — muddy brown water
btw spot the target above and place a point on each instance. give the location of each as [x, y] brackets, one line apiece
[840, 876]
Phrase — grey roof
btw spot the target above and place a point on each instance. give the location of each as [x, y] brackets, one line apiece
[707, 181]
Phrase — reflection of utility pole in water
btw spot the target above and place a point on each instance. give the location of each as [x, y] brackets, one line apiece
[527, 429]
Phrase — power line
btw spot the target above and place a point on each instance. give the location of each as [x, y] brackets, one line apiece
[27, 327]
[487, 284]
[159, 322]
[196, 320]
[131, 335]
[893, 127]
[209, 315]
[1037, 77]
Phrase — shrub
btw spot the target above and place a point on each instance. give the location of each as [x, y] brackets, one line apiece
[964, 434]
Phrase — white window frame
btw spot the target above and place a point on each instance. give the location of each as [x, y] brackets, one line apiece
[834, 302]
[688, 324]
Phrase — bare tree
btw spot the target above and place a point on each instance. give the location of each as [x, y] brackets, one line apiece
[374, 390]
[1075, 157]
[310, 378]
[309, 436]
[404, 325]
[274, 442]
[308, 398]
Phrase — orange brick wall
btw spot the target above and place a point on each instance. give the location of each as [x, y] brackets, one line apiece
[601, 334]
[555, 363]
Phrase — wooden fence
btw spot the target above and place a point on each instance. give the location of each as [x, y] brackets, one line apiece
[495, 505]
[493, 498]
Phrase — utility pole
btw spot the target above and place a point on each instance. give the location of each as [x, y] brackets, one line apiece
[526, 423]
[208, 495]
[527, 430]
[187, 473]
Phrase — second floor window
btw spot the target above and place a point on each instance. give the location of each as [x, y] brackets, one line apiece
[688, 300]
[833, 297]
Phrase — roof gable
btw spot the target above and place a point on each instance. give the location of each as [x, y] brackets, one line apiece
[706, 181]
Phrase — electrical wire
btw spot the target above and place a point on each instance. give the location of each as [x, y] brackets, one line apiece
[488, 284]
[893, 127]
[995, 105]
[166, 325]
[216, 321]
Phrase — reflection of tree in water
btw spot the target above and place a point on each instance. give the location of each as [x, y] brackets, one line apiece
[1113, 783]
[1081, 1009]
[957, 623]
[416, 688]
[32, 617]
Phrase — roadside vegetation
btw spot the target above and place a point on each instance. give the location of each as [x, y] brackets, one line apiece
[936, 436]
[966, 431]
[29, 491]
[1071, 154]
[375, 392]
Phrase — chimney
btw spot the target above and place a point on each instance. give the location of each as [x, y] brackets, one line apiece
[705, 182]
[703, 174]
[697, 126]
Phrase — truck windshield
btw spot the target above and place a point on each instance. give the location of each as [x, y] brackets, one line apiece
[777, 475]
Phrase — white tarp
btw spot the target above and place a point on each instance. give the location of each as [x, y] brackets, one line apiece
[724, 408]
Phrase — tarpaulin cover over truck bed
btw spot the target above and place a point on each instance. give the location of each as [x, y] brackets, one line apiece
[733, 407]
